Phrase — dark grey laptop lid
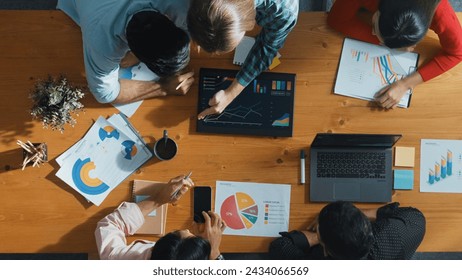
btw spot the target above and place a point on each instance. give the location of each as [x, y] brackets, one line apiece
[351, 189]
[354, 140]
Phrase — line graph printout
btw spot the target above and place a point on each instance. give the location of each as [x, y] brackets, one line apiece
[265, 107]
[366, 68]
[253, 209]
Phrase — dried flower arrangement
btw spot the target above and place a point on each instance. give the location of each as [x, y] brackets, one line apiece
[54, 101]
[33, 153]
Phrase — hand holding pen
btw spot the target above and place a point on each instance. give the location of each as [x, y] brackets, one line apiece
[181, 184]
[177, 84]
[170, 192]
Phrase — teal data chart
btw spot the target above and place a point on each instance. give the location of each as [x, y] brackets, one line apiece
[264, 108]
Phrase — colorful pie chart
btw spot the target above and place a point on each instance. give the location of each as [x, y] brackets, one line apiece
[239, 211]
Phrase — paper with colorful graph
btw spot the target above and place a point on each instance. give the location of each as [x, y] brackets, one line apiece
[109, 152]
[441, 166]
[365, 69]
[253, 209]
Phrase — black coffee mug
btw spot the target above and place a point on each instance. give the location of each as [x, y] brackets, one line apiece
[165, 148]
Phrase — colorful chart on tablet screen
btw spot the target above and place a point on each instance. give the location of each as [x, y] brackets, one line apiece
[265, 107]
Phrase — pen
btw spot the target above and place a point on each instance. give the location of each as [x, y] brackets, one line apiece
[181, 84]
[302, 167]
[178, 190]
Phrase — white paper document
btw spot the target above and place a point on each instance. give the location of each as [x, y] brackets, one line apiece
[243, 49]
[103, 158]
[365, 69]
[253, 209]
[441, 166]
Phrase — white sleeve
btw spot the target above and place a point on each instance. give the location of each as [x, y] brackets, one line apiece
[112, 230]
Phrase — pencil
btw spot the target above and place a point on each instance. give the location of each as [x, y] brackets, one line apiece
[189, 175]
[182, 83]
[302, 167]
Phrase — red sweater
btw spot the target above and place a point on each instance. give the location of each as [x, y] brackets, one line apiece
[343, 17]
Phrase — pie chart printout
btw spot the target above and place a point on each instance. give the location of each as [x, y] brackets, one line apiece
[239, 211]
[253, 209]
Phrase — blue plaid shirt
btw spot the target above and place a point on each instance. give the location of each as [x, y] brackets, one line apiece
[277, 18]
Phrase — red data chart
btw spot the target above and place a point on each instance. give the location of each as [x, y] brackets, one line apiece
[239, 211]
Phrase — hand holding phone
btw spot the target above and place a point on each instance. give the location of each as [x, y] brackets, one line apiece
[202, 202]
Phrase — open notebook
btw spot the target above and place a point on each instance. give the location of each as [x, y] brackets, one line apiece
[156, 220]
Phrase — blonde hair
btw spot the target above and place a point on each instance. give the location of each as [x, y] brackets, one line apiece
[217, 25]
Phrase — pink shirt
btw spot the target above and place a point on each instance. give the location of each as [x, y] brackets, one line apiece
[112, 230]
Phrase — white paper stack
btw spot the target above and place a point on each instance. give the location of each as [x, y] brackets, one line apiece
[110, 151]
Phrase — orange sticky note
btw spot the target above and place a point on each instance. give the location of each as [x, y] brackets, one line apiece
[404, 156]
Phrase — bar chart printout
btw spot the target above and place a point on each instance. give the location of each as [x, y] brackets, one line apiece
[441, 166]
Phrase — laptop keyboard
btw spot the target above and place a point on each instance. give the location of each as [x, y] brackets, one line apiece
[351, 165]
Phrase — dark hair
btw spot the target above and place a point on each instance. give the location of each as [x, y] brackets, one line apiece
[345, 231]
[215, 24]
[156, 41]
[173, 247]
[403, 23]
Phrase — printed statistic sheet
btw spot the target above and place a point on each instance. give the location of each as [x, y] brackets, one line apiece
[365, 69]
[253, 209]
[441, 166]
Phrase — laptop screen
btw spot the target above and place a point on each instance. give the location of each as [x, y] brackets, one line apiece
[355, 140]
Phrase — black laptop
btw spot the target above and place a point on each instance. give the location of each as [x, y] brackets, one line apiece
[352, 167]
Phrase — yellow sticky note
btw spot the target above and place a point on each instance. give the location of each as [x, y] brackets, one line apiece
[276, 62]
[404, 156]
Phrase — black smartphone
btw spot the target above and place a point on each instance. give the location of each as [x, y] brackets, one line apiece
[202, 202]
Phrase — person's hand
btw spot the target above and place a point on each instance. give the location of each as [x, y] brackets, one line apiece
[221, 100]
[169, 192]
[311, 232]
[217, 103]
[172, 191]
[314, 225]
[312, 237]
[177, 84]
[178, 186]
[212, 230]
[129, 60]
[389, 96]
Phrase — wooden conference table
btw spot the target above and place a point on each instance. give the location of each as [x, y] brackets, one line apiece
[41, 214]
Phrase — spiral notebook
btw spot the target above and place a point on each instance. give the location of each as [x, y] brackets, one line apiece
[155, 221]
